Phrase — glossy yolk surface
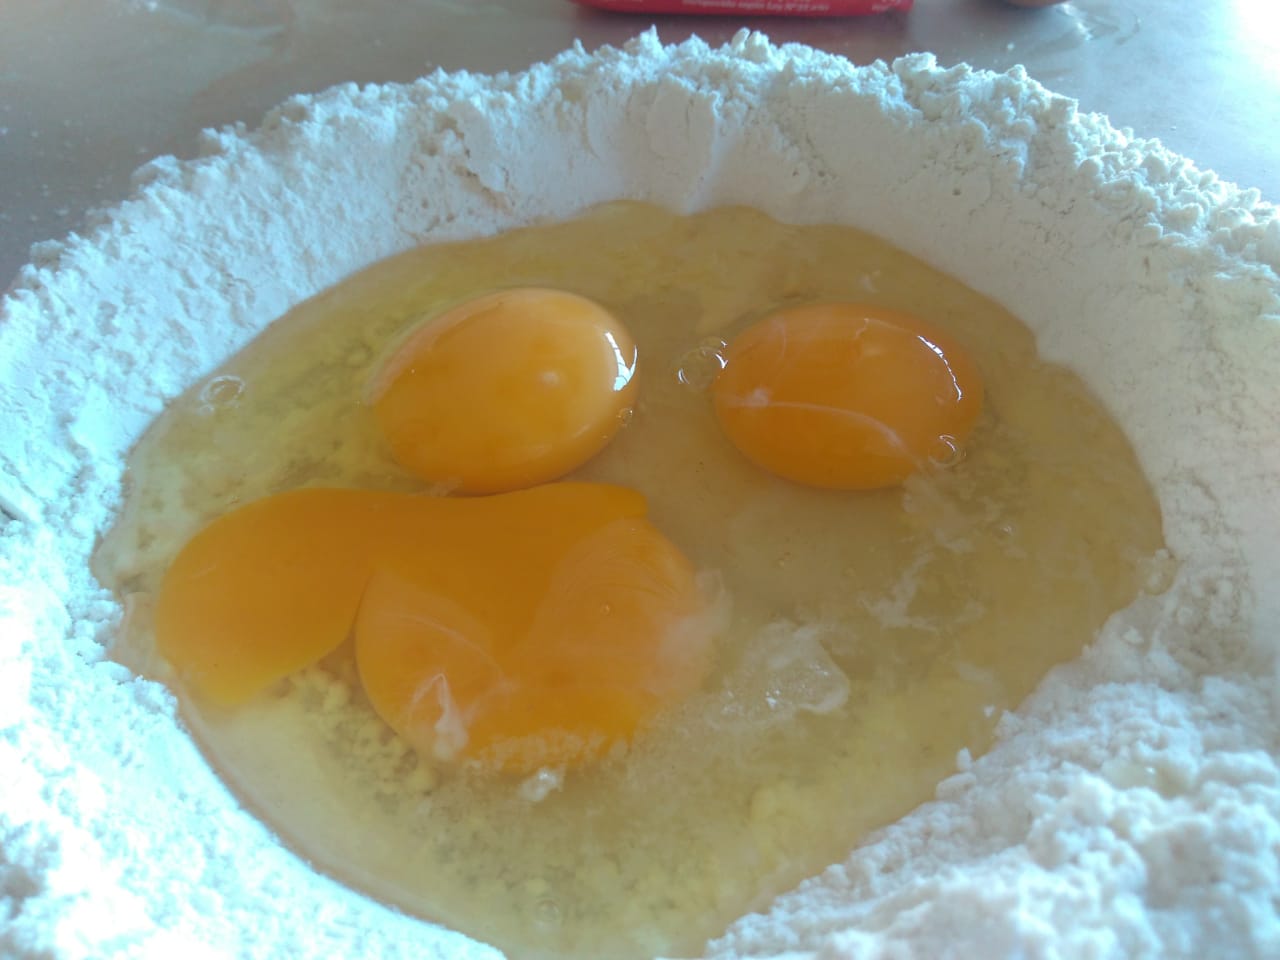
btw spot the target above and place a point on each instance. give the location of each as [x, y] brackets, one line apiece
[527, 629]
[506, 391]
[846, 396]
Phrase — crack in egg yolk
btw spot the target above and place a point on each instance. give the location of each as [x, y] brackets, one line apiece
[846, 396]
[530, 629]
[506, 391]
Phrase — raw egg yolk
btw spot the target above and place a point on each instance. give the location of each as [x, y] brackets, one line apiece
[537, 628]
[846, 396]
[506, 391]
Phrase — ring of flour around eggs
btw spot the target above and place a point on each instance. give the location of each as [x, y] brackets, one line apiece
[1161, 291]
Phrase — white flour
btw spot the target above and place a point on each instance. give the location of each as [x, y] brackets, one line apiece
[1131, 808]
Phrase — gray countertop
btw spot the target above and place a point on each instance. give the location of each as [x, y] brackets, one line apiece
[90, 89]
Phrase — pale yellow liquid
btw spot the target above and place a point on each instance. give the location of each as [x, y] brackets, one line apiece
[874, 635]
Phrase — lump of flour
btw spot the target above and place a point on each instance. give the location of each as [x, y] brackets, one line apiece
[1130, 808]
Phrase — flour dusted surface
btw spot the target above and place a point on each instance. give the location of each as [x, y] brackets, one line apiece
[1132, 806]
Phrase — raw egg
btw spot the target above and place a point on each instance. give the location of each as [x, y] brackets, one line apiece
[387, 675]
[507, 390]
[529, 629]
[846, 396]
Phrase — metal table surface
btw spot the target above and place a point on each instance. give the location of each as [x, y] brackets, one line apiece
[90, 89]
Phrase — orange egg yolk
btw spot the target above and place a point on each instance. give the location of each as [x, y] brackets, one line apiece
[509, 390]
[522, 630]
[846, 396]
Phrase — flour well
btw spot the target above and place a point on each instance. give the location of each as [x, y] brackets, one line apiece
[1131, 807]
[867, 637]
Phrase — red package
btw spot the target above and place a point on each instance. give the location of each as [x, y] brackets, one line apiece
[765, 8]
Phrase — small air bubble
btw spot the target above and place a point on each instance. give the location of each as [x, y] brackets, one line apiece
[946, 453]
[546, 913]
[221, 392]
[542, 784]
[626, 415]
[699, 367]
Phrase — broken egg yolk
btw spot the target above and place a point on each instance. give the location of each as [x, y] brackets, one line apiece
[531, 629]
[846, 396]
[506, 391]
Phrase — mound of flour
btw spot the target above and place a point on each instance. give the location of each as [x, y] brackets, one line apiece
[1131, 808]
